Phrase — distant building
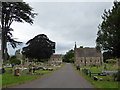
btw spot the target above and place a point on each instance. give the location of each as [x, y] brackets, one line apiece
[55, 59]
[87, 56]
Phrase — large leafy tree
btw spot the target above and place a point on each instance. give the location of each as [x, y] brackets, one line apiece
[109, 31]
[69, 56]
[107, 55]
[13, 11]
[40, 47]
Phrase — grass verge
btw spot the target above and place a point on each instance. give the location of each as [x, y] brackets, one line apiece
[11, 80]
[99, 84]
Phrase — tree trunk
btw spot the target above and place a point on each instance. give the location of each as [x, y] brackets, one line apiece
[4, 45]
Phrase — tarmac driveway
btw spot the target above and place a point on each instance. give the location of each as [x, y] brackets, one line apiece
[66, 77]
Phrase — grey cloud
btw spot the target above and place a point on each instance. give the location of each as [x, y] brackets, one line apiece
[68, 22]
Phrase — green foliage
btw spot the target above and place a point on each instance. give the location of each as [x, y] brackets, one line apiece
[112, 61]
[107, 55]
[13, 57]
[40, 47]
[111, 67]
[13, 12]
[10, 79]
[69, 56]
[44, 60]
[18, 12]
[72, 60]
[81, 46]
[93, 69]
[109, 31]
[100, 84]
[15, 61]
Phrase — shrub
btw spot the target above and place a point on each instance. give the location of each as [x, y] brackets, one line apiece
[93, 65]
[13, 57]
[112, 61]
[15, 61]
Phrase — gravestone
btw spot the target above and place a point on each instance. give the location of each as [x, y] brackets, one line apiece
[86, 71]
[25, 71]
[105, 67]
[101, 79]
[30, 70]
[90, 73]
[78, 68]
[16, 72]
[95, 78]
[10, 71]
[33, 69]
[3, 70]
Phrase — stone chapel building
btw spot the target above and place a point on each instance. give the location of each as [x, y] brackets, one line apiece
[87, 56]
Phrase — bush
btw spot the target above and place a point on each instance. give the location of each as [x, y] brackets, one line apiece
[15, 61]
[93, 65]
[111, 61]
[13, 57]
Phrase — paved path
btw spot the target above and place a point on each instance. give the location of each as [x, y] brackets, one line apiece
[66, 77]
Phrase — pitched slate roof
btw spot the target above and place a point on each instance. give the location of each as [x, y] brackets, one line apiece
[87, 52]
[56, 56]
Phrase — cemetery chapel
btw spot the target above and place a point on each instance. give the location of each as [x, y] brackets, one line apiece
[87, 56]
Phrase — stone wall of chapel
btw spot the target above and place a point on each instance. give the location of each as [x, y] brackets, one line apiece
[89, 61]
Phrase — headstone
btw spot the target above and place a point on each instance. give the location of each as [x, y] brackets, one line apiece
[109, 72]
[16, 72]
[95, 78]
[90, 73]
[30, 70]
[10, 71]
[101, 79]
[33, 69]
[3, 70]
[78, 68]
[85, 71]
[13, 65]
[25, 71]
[105, 67]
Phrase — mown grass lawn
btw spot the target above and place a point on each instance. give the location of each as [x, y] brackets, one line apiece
[98, 84]
[11, 80]
[93, 69]
[0, 80]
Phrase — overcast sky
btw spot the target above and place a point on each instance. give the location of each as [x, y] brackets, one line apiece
[64, 23]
